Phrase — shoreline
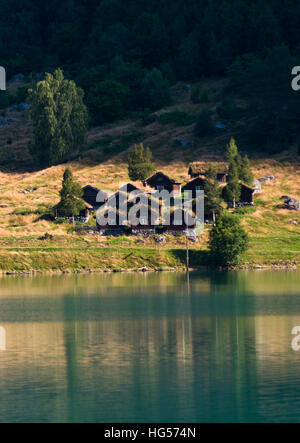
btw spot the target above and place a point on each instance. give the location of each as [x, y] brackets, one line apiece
[33, 257]
[30, 273]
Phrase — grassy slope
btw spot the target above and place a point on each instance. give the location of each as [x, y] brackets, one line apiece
[273, 239]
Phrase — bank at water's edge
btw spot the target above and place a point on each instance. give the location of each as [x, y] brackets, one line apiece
[95, 259]
[108, 259]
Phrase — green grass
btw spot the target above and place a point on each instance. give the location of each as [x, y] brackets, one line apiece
[93, 259]
[274, 250]
[75, 254]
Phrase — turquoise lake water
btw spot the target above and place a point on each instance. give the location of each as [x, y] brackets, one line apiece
[150, 348]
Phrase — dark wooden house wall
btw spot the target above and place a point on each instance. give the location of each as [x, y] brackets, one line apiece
[247, 194]
[222, 177]
[161, 181]
[192, 186]
[90, 195]
[193, 174]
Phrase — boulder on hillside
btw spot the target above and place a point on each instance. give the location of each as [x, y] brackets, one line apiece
[221, 127]
[291, 203]
[268, 178]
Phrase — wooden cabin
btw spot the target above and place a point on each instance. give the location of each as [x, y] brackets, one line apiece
[195, 185]
[118, 207]
[83, 216]
[148, 224]
[91, 195]
[222, 177]
[129, 187]
[161, 181]
[196, 170]
[179, 221]
[113, 221]
[247, 195]
[122, 199]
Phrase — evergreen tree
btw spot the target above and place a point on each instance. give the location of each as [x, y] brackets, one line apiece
[155, 92]
[189, 61]
[59, 118]
[71, 203]
[241, 164]
[232, 192]
[212, 192]
[107, 101]
[231, 151]
[228, 240]
[150, 40]
[140, 163]
[246, 174]
[204, 126]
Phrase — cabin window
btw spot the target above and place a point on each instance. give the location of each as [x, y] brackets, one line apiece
[198, 188]
[160, 187]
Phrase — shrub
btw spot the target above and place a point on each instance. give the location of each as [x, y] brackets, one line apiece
[228, 240]
[140, 163]
[155, 92]
[6, 99]
[228, 111]
[59, 221]
[147, 118]
[196, 95]
[47, 236]
[205, 124]
[107, 101]
[244, 210]
[179, 118]
[22, 94]
[24, 211]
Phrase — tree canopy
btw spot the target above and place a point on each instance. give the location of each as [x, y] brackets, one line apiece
[140, 163]
[59, 118]
[126, 53]
[212, 192]
[71, 203]
[228, 240]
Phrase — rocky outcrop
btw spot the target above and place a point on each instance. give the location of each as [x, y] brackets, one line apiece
[268, 178]
[291, 203]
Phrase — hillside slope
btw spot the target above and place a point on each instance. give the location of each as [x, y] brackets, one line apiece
[27, 193]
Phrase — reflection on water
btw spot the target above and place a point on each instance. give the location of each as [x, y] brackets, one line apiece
[129, 348]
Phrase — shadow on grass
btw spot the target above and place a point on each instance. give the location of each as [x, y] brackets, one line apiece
[196, 258]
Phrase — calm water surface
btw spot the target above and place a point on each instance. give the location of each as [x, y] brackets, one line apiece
[136, 348]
